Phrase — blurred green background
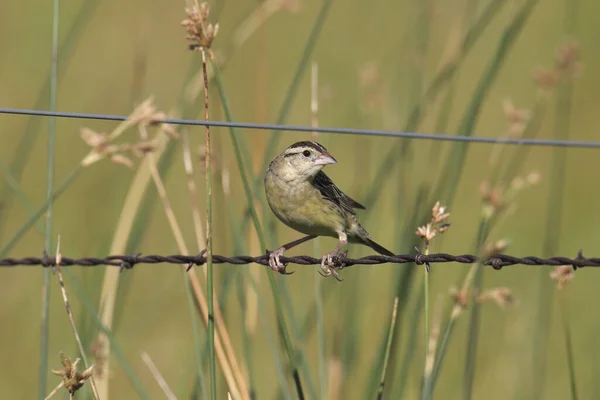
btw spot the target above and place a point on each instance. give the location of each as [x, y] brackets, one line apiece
[375, 62]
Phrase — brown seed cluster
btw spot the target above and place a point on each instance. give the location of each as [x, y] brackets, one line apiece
[197, 27]
[144, 116]
[435, 225]
[498, 198]
[502, 296]
[562, 275]
[567, 65]
[73, 380]
[517, 118]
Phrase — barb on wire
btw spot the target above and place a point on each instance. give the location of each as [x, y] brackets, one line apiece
[300, 128]
[126, 262]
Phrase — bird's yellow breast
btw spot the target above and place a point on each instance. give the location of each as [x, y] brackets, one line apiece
[301, 206]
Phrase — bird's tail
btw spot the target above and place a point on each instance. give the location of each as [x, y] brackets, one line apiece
[377, 247]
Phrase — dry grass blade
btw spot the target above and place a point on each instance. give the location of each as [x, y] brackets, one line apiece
[72, 320]
[158, 376]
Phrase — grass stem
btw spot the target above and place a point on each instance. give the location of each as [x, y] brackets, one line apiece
[209, 265]
[388, 348]
[49, 197]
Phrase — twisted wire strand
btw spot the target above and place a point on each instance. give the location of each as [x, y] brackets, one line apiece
[300, 128]
[341, 261]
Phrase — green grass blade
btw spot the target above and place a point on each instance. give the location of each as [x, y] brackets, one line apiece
[568, 344]
[272, 280]
[81, 293]
[439, 358]
[39, 212]
[245, 276]
[400, 150]
[23, 151]
[410, 346]
[563, 110]
[388, 348]
[453, 170]
[197, 345]
[321, 353]
[473, 333]
[49, 190]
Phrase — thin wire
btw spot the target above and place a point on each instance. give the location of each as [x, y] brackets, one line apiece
[341, 261]
[301, 128]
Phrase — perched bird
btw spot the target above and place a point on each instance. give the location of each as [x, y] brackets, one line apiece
[305, 199]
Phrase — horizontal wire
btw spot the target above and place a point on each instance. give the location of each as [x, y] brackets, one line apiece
[300, 128]
[340, 261]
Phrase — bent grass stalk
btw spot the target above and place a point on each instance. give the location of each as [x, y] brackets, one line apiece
[71, 319]
[82, 295]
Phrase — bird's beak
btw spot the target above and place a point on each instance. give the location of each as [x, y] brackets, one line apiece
[325, 159]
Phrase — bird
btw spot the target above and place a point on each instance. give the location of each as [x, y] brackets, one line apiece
[304, 198]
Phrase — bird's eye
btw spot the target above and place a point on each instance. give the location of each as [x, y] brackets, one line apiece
[306, 153]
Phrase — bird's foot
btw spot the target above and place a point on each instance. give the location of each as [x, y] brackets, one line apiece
[277, 265]
[329, 263]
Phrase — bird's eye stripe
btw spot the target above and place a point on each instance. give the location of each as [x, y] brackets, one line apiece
[296, 152]
[312, 145]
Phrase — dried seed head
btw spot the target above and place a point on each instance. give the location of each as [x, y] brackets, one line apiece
[146, 114]
[426, 232]
[514, 115]
[443, 228]
[502, 296]
[96, 140]
[435, 225]
[567, 60]
[461, 301]
[562, 275]
[495, 198]
[546, 79]
[197, 28]
[72, 379]
[493, 249]
[438, 213]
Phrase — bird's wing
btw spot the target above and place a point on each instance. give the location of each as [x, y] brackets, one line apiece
[334, 194]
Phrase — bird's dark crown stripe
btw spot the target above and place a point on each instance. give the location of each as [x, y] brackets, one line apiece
[310, 144]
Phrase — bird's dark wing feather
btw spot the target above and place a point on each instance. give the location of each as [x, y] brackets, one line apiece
[334, 194]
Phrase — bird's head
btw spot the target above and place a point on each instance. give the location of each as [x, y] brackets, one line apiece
[304, 159]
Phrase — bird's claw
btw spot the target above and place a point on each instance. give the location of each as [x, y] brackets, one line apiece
[277, 265]
[328, 265]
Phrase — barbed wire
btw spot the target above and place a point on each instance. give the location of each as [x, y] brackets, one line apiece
[300, 128]
[341, 261]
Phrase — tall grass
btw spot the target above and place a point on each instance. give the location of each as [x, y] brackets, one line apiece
[335, 340]
[563, 110]
[49, 197]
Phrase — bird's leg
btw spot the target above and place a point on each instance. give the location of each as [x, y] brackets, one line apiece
[274, 262]
[327, 265]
